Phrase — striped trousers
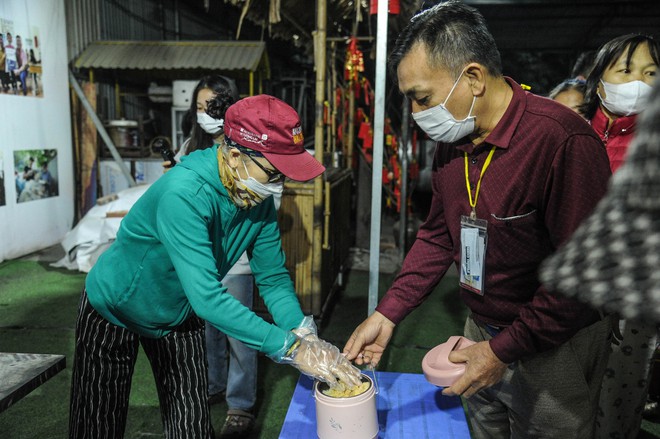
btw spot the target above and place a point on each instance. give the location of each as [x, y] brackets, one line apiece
[103, 364]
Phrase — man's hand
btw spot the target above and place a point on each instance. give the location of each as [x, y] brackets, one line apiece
[369, 340]
[482, 369]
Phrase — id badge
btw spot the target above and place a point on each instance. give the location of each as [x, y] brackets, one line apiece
[474, 239]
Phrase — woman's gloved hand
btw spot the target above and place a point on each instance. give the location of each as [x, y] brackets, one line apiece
[322, 361]
[307, 326]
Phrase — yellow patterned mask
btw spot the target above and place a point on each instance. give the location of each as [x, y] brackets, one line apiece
[240, 194]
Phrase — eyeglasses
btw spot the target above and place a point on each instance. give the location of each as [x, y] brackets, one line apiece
[273, 175]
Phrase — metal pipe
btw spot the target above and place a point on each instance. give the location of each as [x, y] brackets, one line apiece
[101, 129]
[405, 142]
[117, 99]
[376, 173]
[347, 39]
[350, 137]
[177, 25]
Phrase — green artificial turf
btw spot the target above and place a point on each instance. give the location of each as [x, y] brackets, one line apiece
[38, 306]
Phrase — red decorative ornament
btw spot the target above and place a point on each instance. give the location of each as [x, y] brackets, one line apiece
[354, 61]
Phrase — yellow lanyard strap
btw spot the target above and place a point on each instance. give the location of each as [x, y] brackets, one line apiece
[473, 203]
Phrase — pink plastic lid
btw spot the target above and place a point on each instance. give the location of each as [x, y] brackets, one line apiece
[438, 369]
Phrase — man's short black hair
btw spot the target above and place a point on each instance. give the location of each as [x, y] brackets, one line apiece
[454, 34]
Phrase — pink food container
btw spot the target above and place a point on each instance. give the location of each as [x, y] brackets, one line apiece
[438, 369]
[354, 417]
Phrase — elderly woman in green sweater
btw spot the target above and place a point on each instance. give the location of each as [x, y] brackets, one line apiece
[162, 277]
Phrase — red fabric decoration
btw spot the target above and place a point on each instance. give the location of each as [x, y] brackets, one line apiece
[364, 131]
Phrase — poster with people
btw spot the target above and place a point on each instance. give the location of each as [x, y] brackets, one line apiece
[35, 173]
[20, 59]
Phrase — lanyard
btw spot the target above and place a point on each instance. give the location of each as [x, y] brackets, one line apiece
[473, 203]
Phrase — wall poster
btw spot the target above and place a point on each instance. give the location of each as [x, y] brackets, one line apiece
[20, 59]
[37, 195]
[35, 173]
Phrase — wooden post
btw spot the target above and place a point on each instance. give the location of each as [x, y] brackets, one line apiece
[320, 64]
[118, 112]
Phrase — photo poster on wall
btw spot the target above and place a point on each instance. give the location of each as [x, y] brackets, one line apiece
[2, 180]
[38, 204]
[35, 174]
[20, 59]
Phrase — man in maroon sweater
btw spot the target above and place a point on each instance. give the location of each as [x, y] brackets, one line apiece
[513, 176]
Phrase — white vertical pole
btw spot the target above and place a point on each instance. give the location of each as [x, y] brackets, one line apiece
[377, 168]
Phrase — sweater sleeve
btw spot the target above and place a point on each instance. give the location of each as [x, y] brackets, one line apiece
[273, 280]
[183, 228]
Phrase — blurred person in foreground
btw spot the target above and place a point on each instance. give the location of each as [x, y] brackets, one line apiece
[612, 260]
[518, 172]
[617, 92]
[162, 276]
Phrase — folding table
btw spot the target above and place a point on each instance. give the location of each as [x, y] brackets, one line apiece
[408, 406]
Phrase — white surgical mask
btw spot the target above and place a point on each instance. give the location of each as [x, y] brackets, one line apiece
[262, 190]
[440, 124]
[627, 98]
[209, 124]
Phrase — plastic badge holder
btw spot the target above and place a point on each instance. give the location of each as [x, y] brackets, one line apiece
[438, 369]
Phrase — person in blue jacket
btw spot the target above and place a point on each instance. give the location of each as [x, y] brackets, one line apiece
[162, 276]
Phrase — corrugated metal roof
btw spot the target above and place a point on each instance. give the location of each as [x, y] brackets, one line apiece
[175, 55]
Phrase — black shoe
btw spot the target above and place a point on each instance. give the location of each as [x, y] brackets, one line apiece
[238, 425]
[217, 398]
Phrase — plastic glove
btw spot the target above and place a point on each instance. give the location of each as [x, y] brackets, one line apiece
[322, 361]
[306, 327]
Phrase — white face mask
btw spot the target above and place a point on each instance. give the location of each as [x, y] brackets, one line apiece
[209, 124]
[627, 98]
[262, 190]
[440, 124]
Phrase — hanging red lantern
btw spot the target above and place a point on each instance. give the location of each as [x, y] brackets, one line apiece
[393, 7]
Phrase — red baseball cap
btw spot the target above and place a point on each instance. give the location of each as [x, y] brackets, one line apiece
[266, 124]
